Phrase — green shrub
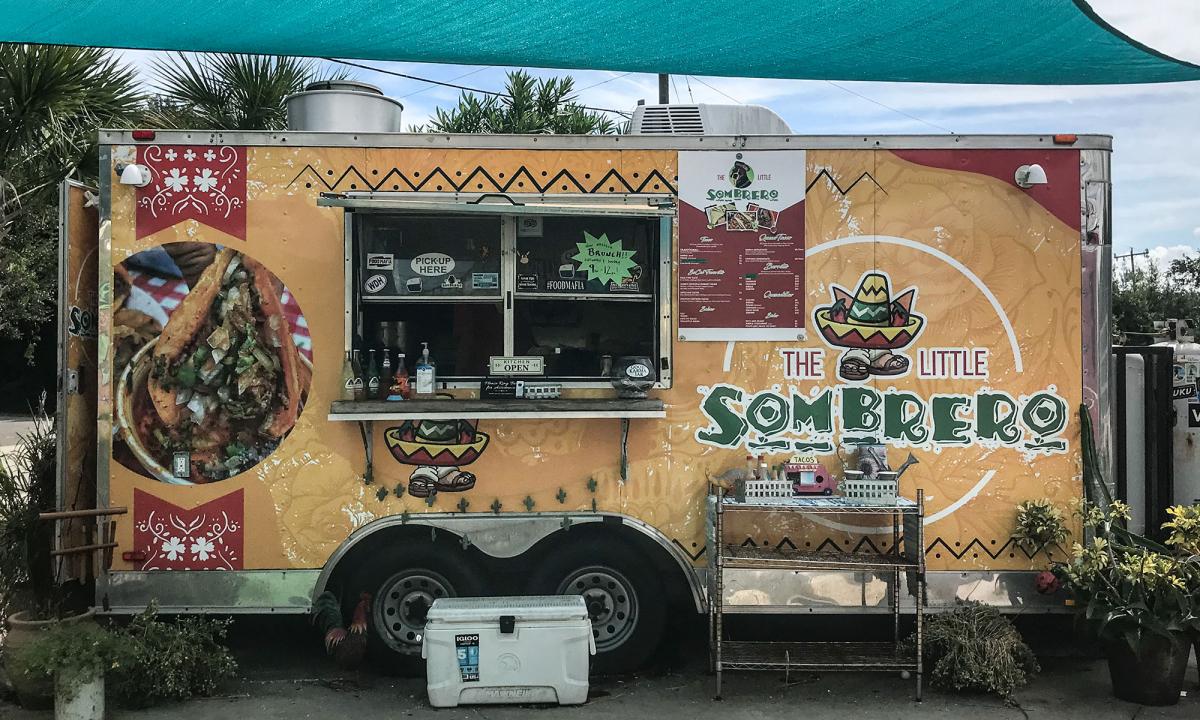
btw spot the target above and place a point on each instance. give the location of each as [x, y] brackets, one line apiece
[1040, 525]
[170, 660]
[975, 648]
[72, 652]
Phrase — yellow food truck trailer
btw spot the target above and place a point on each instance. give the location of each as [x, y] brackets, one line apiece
[802, 309]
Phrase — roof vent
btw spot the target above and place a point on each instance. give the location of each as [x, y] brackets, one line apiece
[343, 106]
[705, 119]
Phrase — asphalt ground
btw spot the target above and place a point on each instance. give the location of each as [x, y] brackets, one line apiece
[284, 674]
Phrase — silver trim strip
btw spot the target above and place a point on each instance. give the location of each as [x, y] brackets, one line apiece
[501, 415]
[607, 142]
[103, 352]
[212, 591]
[463, 208]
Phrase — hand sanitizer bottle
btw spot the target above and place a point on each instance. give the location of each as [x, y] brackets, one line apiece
[426, 373]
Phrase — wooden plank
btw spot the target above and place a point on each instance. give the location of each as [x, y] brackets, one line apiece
[92, 512]
[83, 549]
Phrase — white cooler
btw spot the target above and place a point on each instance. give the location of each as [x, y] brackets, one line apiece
[508, 650]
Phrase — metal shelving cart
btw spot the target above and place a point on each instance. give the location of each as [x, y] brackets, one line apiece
[904, 558]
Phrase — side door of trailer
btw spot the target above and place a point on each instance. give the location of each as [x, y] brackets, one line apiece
[75, 423]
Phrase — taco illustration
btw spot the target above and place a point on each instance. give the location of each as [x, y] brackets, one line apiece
[438, 449]
[870, 324]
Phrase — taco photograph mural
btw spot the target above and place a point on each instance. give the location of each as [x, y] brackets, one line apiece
[871, 325]
[213, 362]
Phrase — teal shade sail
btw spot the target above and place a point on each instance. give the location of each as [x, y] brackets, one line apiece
[955, 41]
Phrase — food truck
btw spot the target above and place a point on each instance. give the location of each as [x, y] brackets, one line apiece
[941, 300]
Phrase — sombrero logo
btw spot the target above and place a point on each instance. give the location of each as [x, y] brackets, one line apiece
[872, 326]
[741, 175]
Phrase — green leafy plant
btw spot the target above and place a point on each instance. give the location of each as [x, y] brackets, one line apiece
[975, 648]
[1040, 525]
[528, 106]
[1184, 529]
[170, 660]
[1128, 586]
[71, 653]
[229, 91]
[27, 487]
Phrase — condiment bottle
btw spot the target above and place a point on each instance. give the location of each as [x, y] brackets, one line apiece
[385, 370]
[372, 376]
[400, 389]
[426, 373]
[739, 485]
[347, 391]
[359, 389]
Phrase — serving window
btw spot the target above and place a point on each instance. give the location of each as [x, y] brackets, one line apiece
[577, 286]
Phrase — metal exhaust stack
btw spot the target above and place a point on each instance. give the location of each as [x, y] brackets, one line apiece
[343, 106]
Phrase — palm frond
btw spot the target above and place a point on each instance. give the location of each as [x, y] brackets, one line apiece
[229, 91]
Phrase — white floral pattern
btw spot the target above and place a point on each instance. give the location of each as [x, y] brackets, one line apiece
[201, 547]
[173, 538]
[207, 184]
[175, 181]
[173, 548]
[205, 181]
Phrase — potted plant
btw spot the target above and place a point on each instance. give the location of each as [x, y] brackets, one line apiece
[28, 596]
[1041, 527]
[1141, 599]
[1183, 537]
[74, 656]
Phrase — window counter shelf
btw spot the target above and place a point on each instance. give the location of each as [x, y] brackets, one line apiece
[496, 409]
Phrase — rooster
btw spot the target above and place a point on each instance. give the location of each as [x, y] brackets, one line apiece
[346, 646]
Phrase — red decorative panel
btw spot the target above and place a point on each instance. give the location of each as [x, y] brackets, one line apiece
[203, 183]
[206, 537]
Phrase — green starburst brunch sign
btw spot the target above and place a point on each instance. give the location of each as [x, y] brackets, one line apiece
[604, 260]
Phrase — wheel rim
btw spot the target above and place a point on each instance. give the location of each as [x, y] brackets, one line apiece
[611, 603]
[403, 604]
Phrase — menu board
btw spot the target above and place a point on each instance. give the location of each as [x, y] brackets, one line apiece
[741, 245]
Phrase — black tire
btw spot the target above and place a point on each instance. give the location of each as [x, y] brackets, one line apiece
[625, 598]
[403, 582]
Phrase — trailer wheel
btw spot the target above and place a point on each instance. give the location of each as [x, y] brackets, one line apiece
[624, 598]
[403, 582]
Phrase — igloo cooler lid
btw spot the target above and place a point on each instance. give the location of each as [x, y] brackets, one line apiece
[528, 608]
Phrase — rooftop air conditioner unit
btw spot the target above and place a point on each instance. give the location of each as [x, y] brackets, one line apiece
[705, 119]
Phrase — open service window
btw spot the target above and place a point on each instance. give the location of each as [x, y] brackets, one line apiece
[578, 283]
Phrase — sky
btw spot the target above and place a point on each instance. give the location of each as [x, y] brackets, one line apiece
[1156, 158]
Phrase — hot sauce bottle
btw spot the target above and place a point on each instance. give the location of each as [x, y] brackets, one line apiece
[399, 389]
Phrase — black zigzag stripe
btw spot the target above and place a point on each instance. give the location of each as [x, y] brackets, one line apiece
[830, 545]
[695, 556]
[521, 181]
[825, 173]
[978, 546]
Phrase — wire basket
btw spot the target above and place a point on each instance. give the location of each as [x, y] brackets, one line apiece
[768, 488]
[880, 490]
